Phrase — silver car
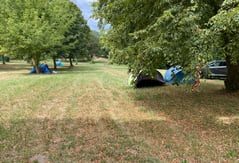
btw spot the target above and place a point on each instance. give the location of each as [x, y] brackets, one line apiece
[215, 69]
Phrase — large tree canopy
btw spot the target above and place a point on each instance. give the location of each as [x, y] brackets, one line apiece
[224, 36]
[146, 33]
[32, 28]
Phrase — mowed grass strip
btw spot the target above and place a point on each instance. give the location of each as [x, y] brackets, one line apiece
[89, 114]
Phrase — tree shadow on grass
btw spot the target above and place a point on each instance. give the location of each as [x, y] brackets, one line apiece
[14, 67]
[70, 140]
[199, 109]
[102, 140]
[77, 69]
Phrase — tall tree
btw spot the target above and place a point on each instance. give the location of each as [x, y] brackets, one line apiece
[32, 27]
[3, 59]
[76, 38]
[2, 54]
[224, 34]
[145, 33]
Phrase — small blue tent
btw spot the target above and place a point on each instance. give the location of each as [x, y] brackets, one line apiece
[174, 75]
[59, 63]
[43, 69]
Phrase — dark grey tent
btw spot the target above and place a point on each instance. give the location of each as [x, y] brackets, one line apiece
[147, 81]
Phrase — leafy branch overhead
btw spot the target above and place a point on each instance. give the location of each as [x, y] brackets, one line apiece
[149, 34]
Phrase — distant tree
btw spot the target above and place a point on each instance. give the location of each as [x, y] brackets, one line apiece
[2, 52]
[94, 47]
[79, 35]
[32, 28]
[3, 59]
[75, 39]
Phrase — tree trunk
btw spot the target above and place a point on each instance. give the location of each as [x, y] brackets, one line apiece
[35, 62]
[232, 81]
[54, 62]
[76, 60]
[71, 64]
[3, 60]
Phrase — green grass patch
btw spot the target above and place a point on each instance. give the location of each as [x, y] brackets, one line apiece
[88, 114]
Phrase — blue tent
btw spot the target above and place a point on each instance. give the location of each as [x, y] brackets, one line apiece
[43, 69]
[59, 63]
[175, 75]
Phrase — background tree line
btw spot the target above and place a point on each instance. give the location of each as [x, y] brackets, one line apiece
[36, 30]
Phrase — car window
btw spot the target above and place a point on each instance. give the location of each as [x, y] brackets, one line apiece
[222, 63]
[217, 63]
[212, 64]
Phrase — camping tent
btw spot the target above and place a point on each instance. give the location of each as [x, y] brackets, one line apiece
[175, 75]
[146, 81]
[59, 63]
[43, 69]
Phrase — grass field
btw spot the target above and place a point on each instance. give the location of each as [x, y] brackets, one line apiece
[89, 114]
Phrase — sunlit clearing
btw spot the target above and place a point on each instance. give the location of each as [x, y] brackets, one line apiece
[228, 120]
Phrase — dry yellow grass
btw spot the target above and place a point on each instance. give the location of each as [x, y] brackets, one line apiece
[89, 114]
